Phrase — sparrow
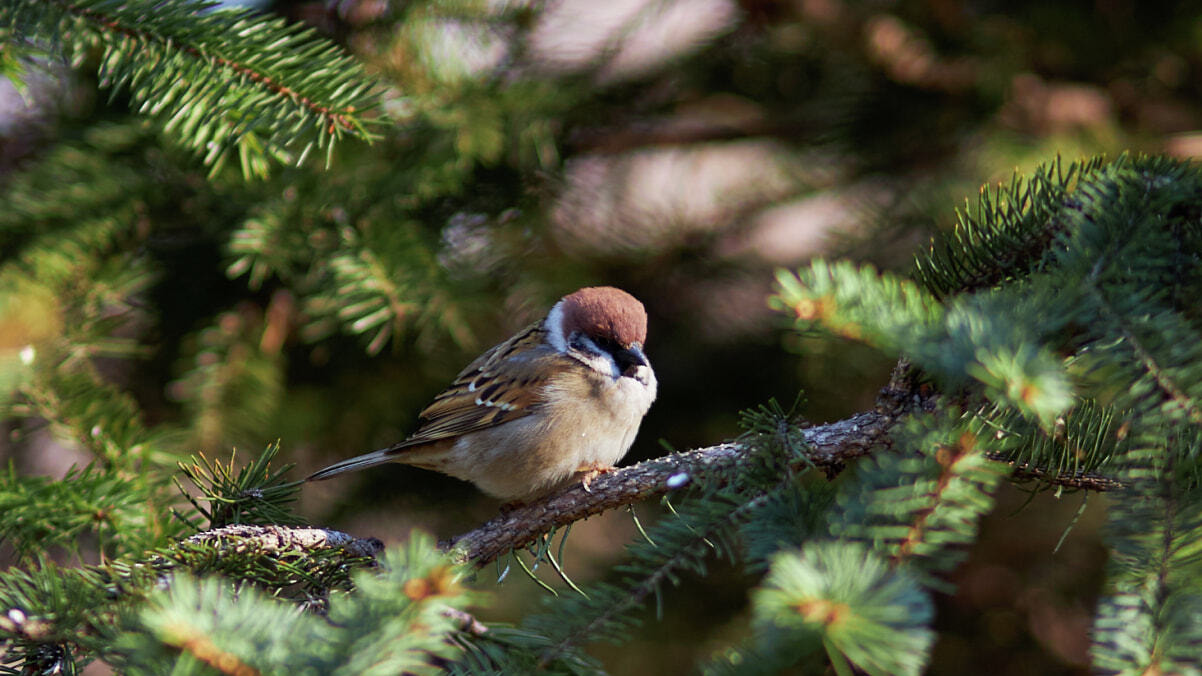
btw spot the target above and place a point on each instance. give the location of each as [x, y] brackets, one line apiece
[562, 399]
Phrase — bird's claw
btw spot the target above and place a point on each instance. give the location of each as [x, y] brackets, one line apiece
[587, 474]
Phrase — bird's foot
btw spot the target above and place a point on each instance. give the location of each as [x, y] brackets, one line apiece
[587, 473]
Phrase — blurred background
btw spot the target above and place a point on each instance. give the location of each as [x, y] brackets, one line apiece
[679, 149]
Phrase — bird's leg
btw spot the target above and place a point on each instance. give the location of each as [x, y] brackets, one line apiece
[586, 473]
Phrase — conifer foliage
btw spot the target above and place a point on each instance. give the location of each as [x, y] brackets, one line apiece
[1068, 322]
[225, 83]
[1055, 333]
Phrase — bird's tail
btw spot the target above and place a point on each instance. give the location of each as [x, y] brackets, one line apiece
[356, 463]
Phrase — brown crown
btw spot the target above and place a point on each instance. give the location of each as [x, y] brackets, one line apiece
[605, 312]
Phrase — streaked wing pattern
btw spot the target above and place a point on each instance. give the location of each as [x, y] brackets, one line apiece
[499, 386]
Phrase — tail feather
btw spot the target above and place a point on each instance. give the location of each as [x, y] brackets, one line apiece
[356, 463]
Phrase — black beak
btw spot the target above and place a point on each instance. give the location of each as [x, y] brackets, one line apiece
[630, 358]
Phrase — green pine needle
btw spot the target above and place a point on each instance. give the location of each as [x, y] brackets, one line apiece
[223, 81]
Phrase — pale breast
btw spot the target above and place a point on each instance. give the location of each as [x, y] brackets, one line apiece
[584, 421]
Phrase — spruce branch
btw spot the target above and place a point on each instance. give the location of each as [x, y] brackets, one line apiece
[974, 337]
[252, 494]
[615, 602]
[220, 79]
[956, 463]
[401, 619]
[844, 597]
[51, 608]
[830, 447]
[1164, 379]
[1084, 481]
[1009, 231]
[920, 508]
[276, 539]
[1080, 446]
[1147, 622]
[707, 523]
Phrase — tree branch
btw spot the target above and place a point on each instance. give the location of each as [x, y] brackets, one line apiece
[279, 539]
[204, 52]
[830, 446]
[1086, 481]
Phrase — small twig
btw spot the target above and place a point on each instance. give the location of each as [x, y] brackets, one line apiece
[466, 621]
[1164, 379]
[1087, 481]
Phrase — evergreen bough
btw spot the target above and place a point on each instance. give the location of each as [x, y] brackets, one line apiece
[1054, 334]
[226, 82]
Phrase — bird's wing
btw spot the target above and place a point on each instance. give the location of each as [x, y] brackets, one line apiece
[503, 384]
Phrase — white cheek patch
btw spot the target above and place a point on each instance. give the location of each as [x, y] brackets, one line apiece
[599, 360]
[614, 370]
[554, 328]
[584, 350]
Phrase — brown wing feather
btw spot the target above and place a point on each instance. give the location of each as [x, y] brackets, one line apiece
[501, 385]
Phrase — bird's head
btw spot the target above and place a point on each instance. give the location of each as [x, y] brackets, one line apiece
[603, 327]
